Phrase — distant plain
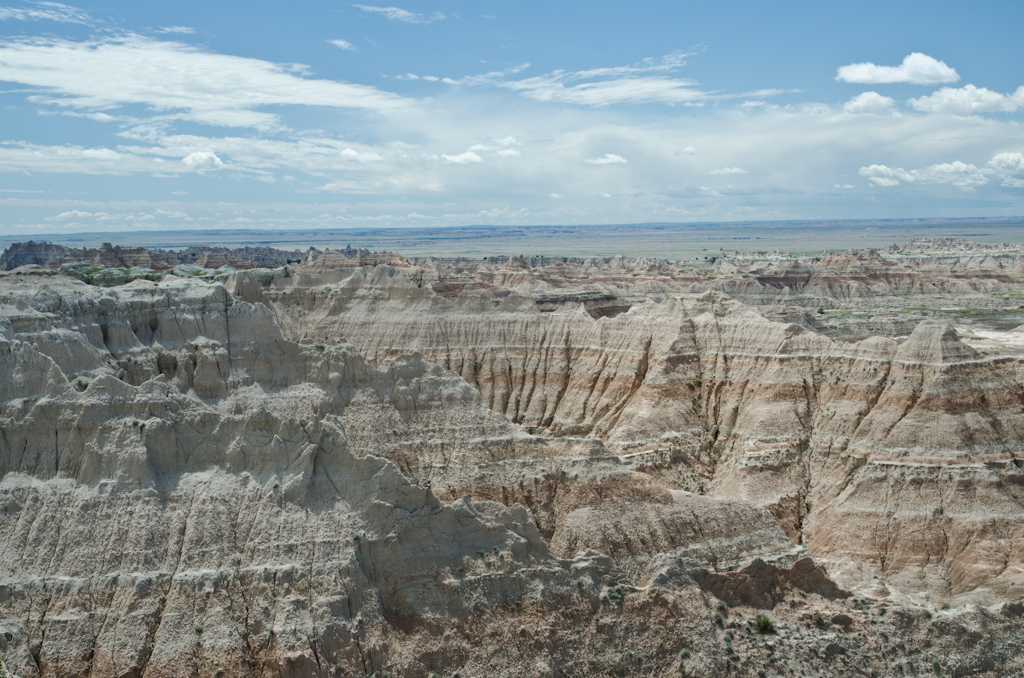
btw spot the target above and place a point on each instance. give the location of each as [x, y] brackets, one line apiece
[656, 240]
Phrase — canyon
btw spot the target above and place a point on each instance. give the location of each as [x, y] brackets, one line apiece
[354, 463]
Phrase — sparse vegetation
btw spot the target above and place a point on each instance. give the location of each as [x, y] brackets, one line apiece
[764, 624]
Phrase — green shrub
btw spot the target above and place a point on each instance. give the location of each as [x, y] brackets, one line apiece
[684, 653]
[764, 624]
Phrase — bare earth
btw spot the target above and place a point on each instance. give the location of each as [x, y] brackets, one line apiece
[261, 462]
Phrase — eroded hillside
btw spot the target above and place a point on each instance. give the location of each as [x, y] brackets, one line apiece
[335, 469]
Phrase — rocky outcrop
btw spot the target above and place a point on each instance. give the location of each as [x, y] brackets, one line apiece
[835, 438]
[187, 492]
[52, 256]
[333, 470]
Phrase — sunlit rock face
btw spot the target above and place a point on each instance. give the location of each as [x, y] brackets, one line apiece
[334, 469]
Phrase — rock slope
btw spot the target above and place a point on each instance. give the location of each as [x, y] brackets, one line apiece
[186, 492]
[884, 458]
[339, 469]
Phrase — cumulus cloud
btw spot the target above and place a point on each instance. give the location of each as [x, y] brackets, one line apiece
[399, 14]
[917, 69]
[344, 44]
[1010, 168]
[46, 11]
[687, 150]
[606, 159]
[969, 99]
[956, 173]
[869, 102]
[729, 170]
[174, 79]
[555, 195]
[466, 158]
[73, 214]
[203, 160]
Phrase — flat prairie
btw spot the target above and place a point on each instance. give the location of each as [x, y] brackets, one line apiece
[661, 240]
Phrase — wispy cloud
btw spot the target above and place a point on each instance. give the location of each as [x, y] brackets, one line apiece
[645, 82]
[606, 159]
[687, 150]
[176, 80]
[729, 170]
[467, 158]
[917, 69]
[46, 11]
[402, 15]
[968, 100]
[344, 44]
[503, 147]
[186, 30]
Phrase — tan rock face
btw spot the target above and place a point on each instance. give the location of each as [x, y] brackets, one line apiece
[186, 491]
[205, 476]
[835, 438]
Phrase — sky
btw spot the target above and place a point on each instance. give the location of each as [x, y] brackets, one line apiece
[123, 116]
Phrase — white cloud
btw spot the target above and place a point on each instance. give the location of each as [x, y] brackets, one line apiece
[956, 173]
[605, 195]
[969, 99]
[687, 150]
[187, 30]
[555, 195]
[203, 160]
[645, 82]
[500, 146]
[344, 44]
[46, 11]
[917, 68]
[174, 79]
[729, 170]
[1009, 167]
[402, 15]
[869, 102]
[73, 214]
[361, 156]
[463, 158]
[172, 214]
[607, 159]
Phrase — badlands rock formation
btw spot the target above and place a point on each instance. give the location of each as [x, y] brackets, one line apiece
[335, 469]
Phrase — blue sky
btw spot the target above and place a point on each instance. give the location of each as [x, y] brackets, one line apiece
[127, 116]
